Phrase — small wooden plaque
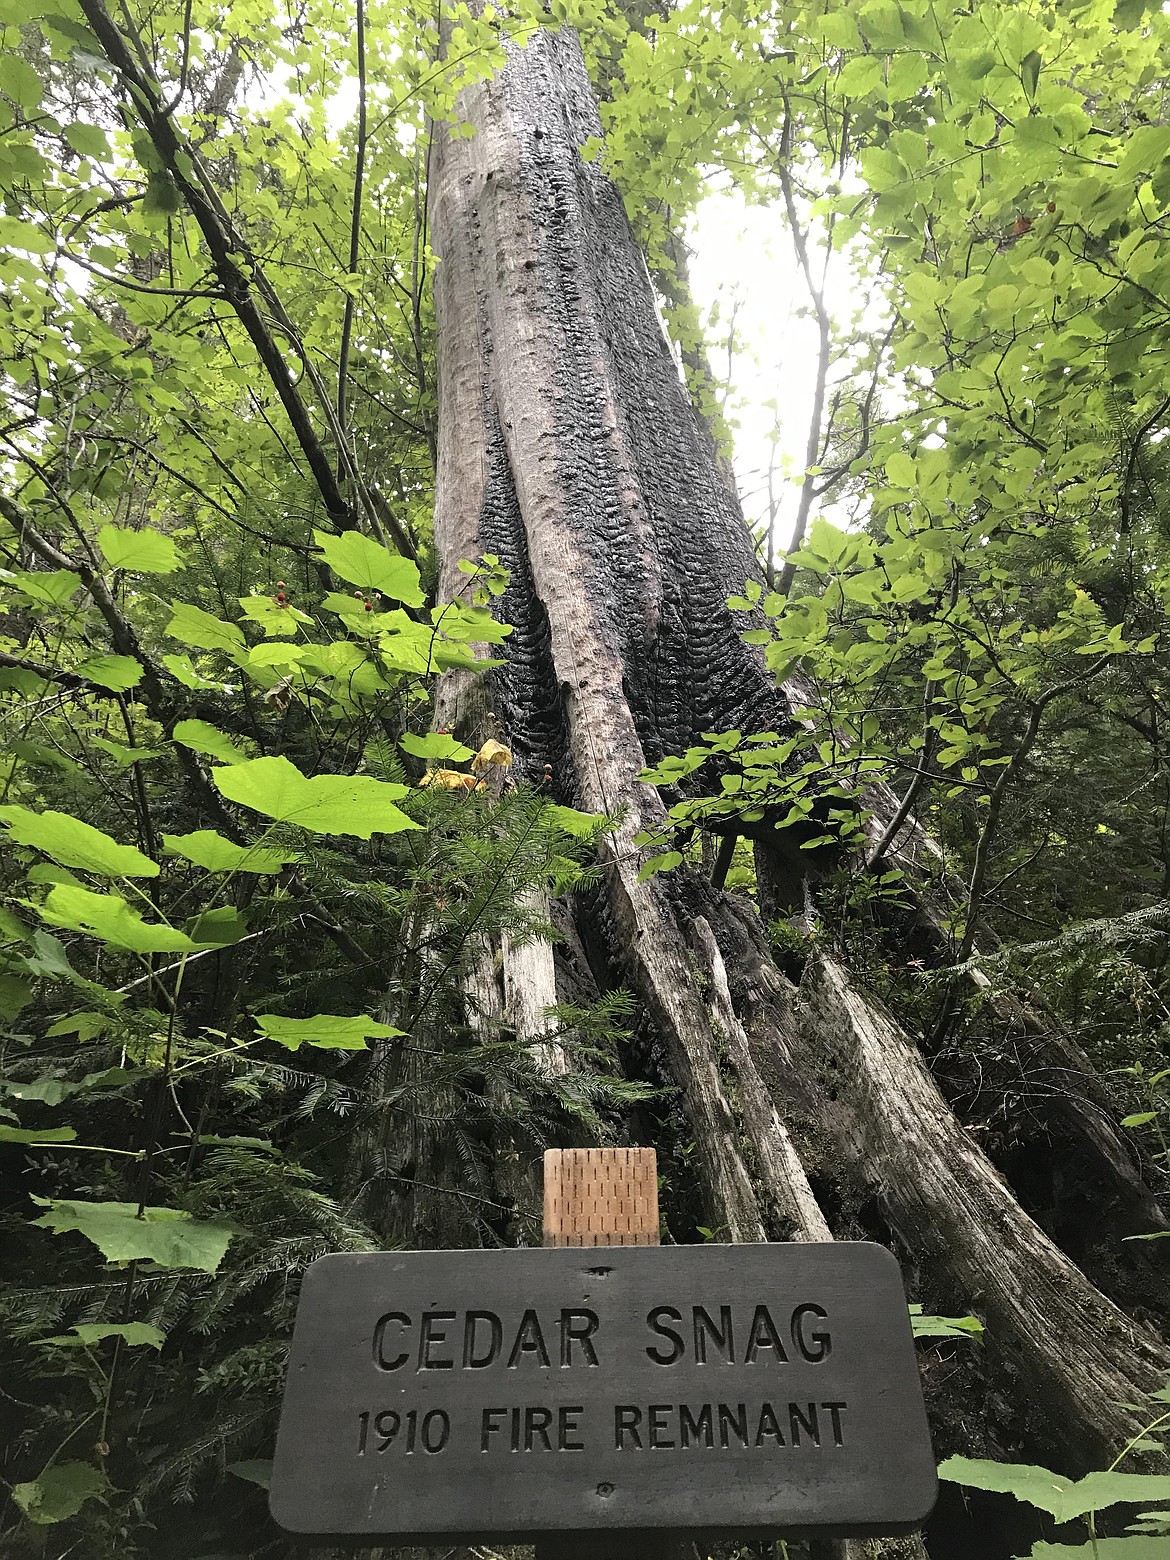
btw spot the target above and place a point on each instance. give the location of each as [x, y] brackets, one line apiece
[600, 1197]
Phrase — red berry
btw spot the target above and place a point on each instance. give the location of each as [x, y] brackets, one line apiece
[369, 606]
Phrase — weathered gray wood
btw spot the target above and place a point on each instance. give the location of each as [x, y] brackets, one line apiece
[1083, 1358]
[544, 450]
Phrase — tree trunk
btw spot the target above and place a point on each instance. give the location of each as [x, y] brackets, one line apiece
[567, 448]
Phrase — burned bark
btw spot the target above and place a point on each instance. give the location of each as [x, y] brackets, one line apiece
[567, 448]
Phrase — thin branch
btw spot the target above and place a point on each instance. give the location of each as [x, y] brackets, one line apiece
[918, 780]
[71, 680]
[355, 221]
[241, 277]
[824, 349]
[998, 794]
[141, 287]
[1130, 465]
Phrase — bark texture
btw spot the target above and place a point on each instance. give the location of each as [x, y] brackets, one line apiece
[568, 448]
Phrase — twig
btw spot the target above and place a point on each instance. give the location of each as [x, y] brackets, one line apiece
[355, 221]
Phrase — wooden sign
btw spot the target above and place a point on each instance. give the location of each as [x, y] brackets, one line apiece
[600, 1197]
[744, 1391]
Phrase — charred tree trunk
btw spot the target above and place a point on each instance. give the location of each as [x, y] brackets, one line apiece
[568, 448]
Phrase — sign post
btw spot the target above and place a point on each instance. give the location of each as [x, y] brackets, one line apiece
[603, 1197]
[603, 1399]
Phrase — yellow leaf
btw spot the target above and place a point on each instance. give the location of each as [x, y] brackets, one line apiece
[492, 752]
[451, 780]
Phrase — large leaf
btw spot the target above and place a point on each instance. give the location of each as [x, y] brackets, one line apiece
[60, 1492]
[49, 1090]
[1052, 1492]
[146, 552]
[109, 917]
[327, 804]
[272, 617]
[364, 562]
[192, 626]
[943, 1326]
[203, 737]
[15, 994]
[50, 960]
[123, 755]
[1136, 1546]
[118, 673]
[88, 140]
[133, 1334]
[72, 843]
[30, 1135]
[208, 849]
[581, 825]
[326, 1031]
[166, 1236]
[436, 746]
[51, 589]
[85, 1026]
[182, 667]
[220, 926]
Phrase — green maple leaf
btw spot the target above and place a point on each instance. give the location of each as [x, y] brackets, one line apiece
[110, 918]
[166, 1236]
[60, 1492]
[364, 562]
[146, 552]
[357, 805]
[72, 843]
[326, 1031]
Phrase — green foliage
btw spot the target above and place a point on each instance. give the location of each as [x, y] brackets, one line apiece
[435, 747]
[122, 1232]
[1062, 1498]
[944, 1326]
[132, 1334]
[72, 843]
[144, 552]
[207, 848]
[109, 918]
[202, 737]
[362, 562]
[215, 546]
[1132, 1546]
[59, 1492]
[325, 1030]
[197, 1113]
[356, 805]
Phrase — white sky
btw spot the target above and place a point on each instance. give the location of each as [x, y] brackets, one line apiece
[742, 258]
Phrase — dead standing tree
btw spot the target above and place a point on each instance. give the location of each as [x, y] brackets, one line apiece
[567, 447]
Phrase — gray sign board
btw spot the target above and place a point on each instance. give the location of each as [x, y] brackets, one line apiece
[731, 1390]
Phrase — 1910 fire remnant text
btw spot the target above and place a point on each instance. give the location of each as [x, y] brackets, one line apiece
[731, 1389]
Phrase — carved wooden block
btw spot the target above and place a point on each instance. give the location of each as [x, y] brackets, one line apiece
[600, 1197]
